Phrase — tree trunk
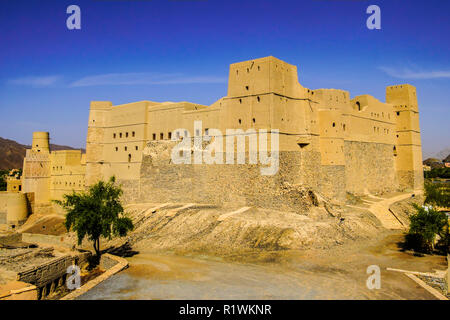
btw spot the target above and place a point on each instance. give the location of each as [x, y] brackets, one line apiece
[97, 247]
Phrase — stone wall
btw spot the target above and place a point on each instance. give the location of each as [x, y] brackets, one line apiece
[52, 270]
[370, 167]
[236, 184]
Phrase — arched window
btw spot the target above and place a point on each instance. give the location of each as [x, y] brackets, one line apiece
[129, 157]
[358, 105]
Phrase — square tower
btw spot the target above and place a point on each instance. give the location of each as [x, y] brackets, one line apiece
[408, 147]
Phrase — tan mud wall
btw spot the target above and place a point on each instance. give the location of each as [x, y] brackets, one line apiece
[242, 185]
[369, 167]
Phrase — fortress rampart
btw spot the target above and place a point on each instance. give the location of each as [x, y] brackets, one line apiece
[329, 143]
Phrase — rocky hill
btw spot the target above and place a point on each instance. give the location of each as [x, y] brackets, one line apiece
[12, 153]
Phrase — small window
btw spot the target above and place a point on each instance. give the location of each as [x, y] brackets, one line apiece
[258, 99]
[254, 120]
[240, 100]
[129, 157]
[246, 87]
[136, 148]
[398, 113]
[358, 105]
[126, 134]
[334, 124]
[154, 136]
[170, 136]
[240, 121]
[117, 149]
[125, 148]
[133, 133]
[206, 131]
[120, 135]
[161, 136]
[114, 135]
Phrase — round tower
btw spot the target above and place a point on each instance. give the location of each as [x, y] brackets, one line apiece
[40, 141]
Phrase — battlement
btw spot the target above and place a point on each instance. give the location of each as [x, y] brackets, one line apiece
[401, 95]
[101, 105]
[262, 76]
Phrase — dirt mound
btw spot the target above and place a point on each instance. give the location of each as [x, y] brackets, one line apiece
[45, 224]
[404, 209]
[224, 232]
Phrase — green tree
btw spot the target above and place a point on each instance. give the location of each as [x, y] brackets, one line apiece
[424, 226]
[96, 213]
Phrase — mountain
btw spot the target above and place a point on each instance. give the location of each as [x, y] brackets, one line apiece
[439, 155]
[12, 153]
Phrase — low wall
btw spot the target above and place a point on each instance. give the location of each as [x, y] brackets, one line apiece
[52, 274]
[61, 241]
[114, 264]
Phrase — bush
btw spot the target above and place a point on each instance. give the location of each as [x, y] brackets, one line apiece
[425, 225]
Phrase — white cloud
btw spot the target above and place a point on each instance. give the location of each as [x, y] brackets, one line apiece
[409, 74]
[142, 78]
[44, 81]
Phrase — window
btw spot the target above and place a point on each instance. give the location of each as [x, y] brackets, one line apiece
[125, 148]
[161, 136]
[129, 157]
[358, 105]
[258, 99]
[120, 135]
[334, 124]
[114, 135]
[254, 120]
[170, 135]
[133, 133]
[117, 149]
[240, 121]
[126, 134]
[240, 100]
[398, 113]
[136, 148]
[154, 136]
[246, 87]
[206, 131]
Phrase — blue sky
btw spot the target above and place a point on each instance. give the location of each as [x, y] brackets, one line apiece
[166, 50]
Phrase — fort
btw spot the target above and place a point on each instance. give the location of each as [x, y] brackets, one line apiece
[329, 145]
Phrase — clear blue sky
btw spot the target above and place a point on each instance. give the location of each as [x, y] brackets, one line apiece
[166, 50]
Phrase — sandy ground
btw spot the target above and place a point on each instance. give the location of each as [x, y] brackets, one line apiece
[338, 273]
